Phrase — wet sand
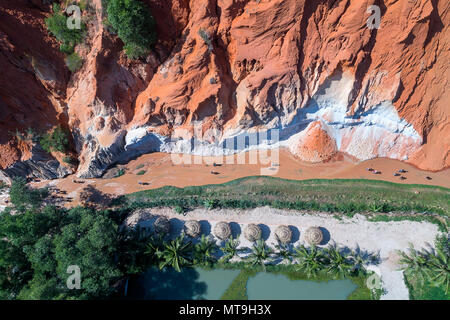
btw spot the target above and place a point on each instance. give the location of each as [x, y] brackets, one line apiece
[161, 171]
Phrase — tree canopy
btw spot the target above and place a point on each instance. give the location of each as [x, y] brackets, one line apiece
[134, 24]
[39, 243]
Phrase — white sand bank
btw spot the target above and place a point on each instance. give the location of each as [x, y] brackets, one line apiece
[383, 238]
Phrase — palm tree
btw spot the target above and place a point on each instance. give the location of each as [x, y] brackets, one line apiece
[204, 251]
[155, 245]
[210, 203]
[339, 264]
[310, 260]
[414, 263]
[439, 266]
[176, 253]
[260, 254]
[360, 259]
[230, 249]
[284, 251]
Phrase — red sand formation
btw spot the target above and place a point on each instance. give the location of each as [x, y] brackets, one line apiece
[314, 145]
[268, 59]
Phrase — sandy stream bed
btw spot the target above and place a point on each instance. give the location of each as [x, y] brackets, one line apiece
[159, 170]
[383, 238]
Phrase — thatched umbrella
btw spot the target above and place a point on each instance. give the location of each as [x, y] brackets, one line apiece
[162, 225]
[252, 232]
[192, 228]
[314, 235]
[222, 230]
[283, 234]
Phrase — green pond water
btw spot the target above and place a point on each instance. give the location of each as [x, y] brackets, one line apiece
[198, 284]
[270, 286]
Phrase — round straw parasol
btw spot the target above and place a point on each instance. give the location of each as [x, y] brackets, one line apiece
[222, 230]
[314, 235]
[162, 225]
[284, 234]
[192, 228]
[252, 232]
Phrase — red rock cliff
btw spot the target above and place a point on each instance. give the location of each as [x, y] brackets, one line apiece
[308, 68]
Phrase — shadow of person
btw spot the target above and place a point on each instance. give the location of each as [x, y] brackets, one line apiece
[326, 236]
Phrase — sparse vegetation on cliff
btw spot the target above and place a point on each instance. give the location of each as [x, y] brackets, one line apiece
[74, 62]
[206, 38]
[57, 140]
[134, 24]
[57, 25]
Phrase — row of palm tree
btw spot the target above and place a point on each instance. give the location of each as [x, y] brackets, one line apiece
[431, 265]
[335, 261]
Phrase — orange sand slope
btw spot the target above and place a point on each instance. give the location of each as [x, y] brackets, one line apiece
[161, 171]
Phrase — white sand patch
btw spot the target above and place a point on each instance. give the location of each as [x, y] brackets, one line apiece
[4, 197]
[113, 184]
[134, 135]
[383, 238]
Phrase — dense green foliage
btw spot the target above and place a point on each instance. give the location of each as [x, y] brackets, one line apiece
[424, 290]
[134, 24]
[210, 203]
[57, 140]
[39, 243]
[176, 253]
[22, 197]
[428, 271]
[57, 25]
[230, 249]
[261, 254]
[205, 252]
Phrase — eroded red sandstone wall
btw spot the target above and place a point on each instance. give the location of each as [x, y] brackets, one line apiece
[268, 60]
